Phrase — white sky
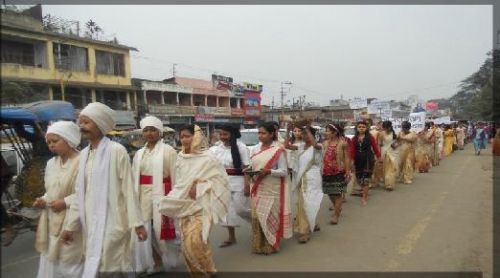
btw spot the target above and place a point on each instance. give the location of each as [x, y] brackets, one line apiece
[387, 52]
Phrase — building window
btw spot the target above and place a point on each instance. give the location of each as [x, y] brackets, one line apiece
[70, 57]
[27, 53]
[110, 63]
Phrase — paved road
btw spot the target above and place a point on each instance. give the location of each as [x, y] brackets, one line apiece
[442, 222]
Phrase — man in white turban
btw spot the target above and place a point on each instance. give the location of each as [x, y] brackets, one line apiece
[154, 169]
[106, 207]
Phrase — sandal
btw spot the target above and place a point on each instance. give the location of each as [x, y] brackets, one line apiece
[9, 236]
[227, 243]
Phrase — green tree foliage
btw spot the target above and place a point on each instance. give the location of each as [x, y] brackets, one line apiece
[474, 100]
[21, 92]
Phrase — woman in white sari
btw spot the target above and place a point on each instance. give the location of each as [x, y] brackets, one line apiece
[307, 183]
[57, 259]
[292, 153]
[270, 193]
[199, 198]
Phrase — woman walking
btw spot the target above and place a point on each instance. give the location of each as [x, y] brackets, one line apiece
[234, 157]
[479, 137]
[460, 136]
[407, 140]
[336, 168]
[449, 139]
[390, 155]
[56, 258]
[307, 184]
[423, 150]
[363, 151]
[270, 193]
[199, 199]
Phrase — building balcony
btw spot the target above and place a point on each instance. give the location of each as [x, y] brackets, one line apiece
[168, 109]
[237, 112]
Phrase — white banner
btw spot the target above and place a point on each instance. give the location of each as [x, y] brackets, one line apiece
[442, 120]
[417, 121]
[377, 106]
[358, 103]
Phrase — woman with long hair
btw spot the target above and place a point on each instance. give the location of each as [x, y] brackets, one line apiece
[234, 157]
[269, 192]
[423, 149]
[390, 155]
[364, 150]
[407, 139]
[307, 184]
[449, 139]
[296, 140]
[336, 170]
[199, 198]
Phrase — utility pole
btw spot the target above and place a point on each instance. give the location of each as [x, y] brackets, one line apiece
[283, 98]
[173, 69]
[283, 93]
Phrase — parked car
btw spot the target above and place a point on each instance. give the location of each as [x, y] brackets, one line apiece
[350, 131]
[250, 138]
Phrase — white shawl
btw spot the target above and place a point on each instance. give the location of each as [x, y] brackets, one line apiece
[100, 182]
[213, 193]
[310, 179]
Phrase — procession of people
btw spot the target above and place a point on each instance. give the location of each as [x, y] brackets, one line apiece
[105, 215]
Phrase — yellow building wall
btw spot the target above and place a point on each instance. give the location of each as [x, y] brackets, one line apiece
[51, 73]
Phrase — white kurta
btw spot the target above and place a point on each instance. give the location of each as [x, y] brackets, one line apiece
[122, 211]
[57, 259]
[147, 162]
[240, 204]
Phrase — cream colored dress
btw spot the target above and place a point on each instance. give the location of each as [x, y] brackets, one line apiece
[57, 259]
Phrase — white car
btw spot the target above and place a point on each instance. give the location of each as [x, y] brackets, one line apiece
[250, 138]
[349, 131]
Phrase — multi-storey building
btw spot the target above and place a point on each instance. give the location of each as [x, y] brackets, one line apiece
[61, 66]
[180, 100]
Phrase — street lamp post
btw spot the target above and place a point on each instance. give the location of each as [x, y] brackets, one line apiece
[283, 97]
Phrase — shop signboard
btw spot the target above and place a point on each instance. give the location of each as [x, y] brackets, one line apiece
[417, 121]
[252, 87]
[208, 118]
[358, 103]
[222, 82]
[252, 104]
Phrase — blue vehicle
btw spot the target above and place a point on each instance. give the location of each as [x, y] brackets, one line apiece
[23, 127]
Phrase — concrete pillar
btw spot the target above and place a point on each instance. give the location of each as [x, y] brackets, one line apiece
[129, 106]
[144, 98]
[206, 100]
[162, 95]
[177, 98]
[93, 95]
[216, 101]
[192, 101]
[51, 93]
[135, 100]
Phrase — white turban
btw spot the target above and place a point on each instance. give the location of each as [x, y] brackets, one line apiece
[152, 121]
[69, 131]
[101, 115]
